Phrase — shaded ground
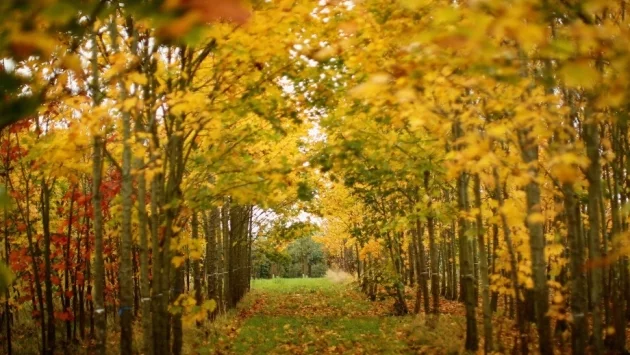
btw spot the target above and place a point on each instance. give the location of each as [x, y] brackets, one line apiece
[320, 316]
[313, 316]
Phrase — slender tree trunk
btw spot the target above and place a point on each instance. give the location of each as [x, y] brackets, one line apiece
[433, 252]
[520, 318]
[176, 278]
[7, 307]
[98, 319]
[235, 245]
[126, 284]
[454, 288]
[196, 267]
[77, 298]
[529, 152]
[226, 254]
[219, 230]
[444, 266]
[618, 339]
[594, 175]
[158, 250]
[485, 282]
[412, 264]
[423, 271]
[136, 280]
[467, 289]
[145, 287]
[419, 268]
[211, 221]
[605, 235]
[178, 330]
[87, 276]
[50, 311]
[98, 298]
[465, 259]
[66, 305]
[400, 305]
[579, 334]
[494, 301]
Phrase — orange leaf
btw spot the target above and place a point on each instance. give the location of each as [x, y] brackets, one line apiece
[219, 10]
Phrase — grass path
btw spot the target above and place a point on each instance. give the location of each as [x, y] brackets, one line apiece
[319, 316]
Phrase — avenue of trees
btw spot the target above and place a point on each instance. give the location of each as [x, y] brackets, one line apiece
[470, 151]
[480, 153]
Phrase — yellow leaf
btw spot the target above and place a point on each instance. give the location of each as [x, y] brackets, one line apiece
[406, 95]
[497, 131]
[579, 74]
[536, 218]
[415, 4]
[529, 283]
[72, 62]
[325, 53]
[446, 15]
[178, 261]
[129, 104]
[137, 78]
[209, 305]
[195, 255]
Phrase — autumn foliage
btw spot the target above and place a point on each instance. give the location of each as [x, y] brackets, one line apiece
[470, 155]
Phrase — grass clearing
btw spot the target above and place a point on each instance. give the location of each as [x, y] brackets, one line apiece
[298, 316]
[328, 316]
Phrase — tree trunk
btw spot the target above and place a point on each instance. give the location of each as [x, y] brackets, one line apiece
[196, 267]
[618, 339]
[433, 253]
[494, 301]
[520, 317]
[465, 259]
[66, 305]
[529, 152]
[483, 268]
[419, 267]
[145, 287]
[211, 220]
[125, 252]
[594, 175]
[45, 199]
[7, 307]
[226, 253]
[98, 297]
[158, 250]
[579, 334]
[465, 256]
[423, 272]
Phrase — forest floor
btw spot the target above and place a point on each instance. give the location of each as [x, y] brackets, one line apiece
[317, 316]
[326, 316]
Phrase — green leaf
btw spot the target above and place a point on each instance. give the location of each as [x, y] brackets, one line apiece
[5, 199]
[6, 277]
[305, 192]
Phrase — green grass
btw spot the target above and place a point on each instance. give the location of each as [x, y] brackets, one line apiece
[313, 316]
[268, 334]
[323, 316]
[279, 285]
[298, 316]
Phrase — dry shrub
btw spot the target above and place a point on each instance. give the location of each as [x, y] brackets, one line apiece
[339, 276]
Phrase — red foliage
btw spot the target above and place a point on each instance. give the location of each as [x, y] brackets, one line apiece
[64, 316]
